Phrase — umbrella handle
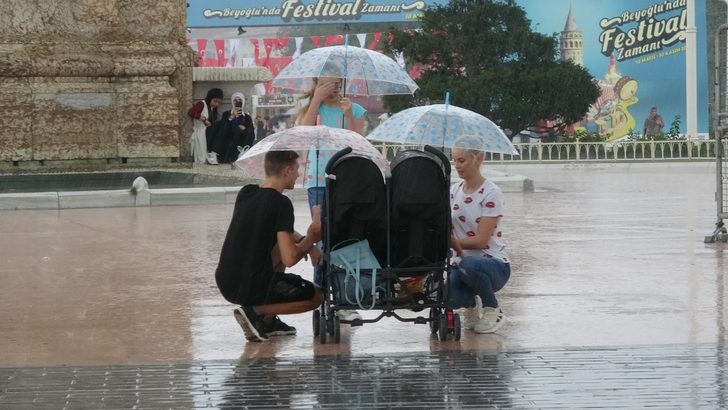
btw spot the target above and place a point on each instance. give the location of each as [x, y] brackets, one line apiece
[444, 123]
[346, 62]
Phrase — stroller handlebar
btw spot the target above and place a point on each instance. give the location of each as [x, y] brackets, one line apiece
[336, 157]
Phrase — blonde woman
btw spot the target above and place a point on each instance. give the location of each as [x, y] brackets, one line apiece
[481, 267]
[326, 106]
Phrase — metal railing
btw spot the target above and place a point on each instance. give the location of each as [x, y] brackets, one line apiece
[719, 114]
[687, 149]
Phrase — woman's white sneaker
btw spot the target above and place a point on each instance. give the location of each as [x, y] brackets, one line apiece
[491, 321]
[471, 316]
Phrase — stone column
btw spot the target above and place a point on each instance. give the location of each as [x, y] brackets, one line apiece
[89, 83]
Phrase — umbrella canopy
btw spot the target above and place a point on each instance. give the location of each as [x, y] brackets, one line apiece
[366, 72]
[442, 125]
[306, 138]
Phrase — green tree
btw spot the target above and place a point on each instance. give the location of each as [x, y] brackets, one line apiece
[485, 53]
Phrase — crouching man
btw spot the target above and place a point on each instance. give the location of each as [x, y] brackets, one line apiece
[259, 245]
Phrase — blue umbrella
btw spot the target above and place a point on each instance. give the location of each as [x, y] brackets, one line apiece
[444, 126]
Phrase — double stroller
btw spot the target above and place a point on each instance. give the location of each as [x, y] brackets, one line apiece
[386, 242]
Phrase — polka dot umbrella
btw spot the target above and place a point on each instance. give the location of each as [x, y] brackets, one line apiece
[443, 126]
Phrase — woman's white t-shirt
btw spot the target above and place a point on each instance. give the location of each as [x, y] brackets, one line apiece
[467, 209]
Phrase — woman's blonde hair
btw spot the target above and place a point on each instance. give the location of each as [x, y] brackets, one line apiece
[307, 95]
[467, 142]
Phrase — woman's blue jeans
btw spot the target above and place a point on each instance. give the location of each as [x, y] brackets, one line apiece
[476, 275]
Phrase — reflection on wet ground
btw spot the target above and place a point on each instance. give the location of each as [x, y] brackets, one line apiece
[608, 260]
[682, 376]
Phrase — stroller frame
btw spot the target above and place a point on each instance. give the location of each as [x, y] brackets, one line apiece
[442, 320]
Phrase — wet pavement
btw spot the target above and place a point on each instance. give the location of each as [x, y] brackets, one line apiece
[611, 281]
[662, 376]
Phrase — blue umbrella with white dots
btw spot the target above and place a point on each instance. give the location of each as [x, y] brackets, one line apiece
[443, 126]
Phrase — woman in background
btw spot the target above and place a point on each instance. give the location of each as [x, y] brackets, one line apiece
[203, 114]
[230, 136]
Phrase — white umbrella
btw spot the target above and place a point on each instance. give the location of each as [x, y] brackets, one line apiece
[365, 72]
[306, 138]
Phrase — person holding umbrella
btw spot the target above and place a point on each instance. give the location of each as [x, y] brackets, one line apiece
[260, 243]
[481, 267]
[325, 100]
[327, 73]
[326, 106]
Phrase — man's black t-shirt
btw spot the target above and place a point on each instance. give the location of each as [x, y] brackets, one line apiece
[245, 268]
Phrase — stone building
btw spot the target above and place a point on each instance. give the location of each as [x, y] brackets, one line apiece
[93, 83]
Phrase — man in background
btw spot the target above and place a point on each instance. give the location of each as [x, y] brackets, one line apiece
[653, 123]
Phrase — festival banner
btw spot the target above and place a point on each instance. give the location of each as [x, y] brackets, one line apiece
[636, 51]
[250, 13]
[634, 48]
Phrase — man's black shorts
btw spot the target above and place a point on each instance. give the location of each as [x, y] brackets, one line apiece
[285, 287]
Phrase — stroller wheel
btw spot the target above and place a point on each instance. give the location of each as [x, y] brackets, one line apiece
[443, 329]
[434, 320]
[336, 331]
[322, 330]
[330, 324]
[456, 329]
[316, 319]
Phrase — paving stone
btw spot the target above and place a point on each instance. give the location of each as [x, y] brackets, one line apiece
[671, 376]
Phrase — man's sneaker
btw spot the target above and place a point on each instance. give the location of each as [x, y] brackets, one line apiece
[491, 321]
[251, 323]
[345, 314]
[276, 327]
[471, 316]
[212, 158]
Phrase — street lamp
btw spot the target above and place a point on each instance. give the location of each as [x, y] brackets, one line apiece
[691, 82]
[723, 62]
